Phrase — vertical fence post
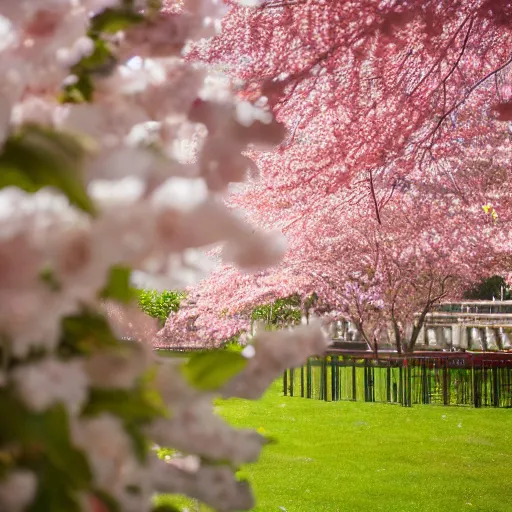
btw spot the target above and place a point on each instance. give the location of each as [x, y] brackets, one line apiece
[334, 378]
[354, 381]
[308, 379]
[401, 383]
[324, 378]
[408, 384]
[388, 383]
[446, 385]
[292, 381]
[425, 383]
[495, 387]
[365, 381]
[371, 369]
[508, 385]
[302, 381]
[285, 383]
[484, 374]
[477, 387]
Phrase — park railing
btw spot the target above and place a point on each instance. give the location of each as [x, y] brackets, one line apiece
[464, 379]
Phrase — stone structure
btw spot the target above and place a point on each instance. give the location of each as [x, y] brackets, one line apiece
[472, 325]
[475, 325]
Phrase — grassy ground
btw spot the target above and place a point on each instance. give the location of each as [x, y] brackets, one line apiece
[347, 456]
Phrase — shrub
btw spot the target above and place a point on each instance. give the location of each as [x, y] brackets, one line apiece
[160, 304]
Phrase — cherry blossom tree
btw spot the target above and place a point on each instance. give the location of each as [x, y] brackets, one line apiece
[97, 110]
[379, 276]
[368, 90]
[392, 185]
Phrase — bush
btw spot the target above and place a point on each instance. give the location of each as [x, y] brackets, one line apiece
[160, 304]
[281, 312]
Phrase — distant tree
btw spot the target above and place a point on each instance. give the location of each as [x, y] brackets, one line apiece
[488, 289]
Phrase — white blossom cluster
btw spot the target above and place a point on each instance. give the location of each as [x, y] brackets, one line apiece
[150, 212]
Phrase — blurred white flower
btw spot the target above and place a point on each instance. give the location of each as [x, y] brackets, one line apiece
[249, 351]
[43, 384]
[247, 113]
[181, 194]
[118, 192]
[17, 490]
[251, 3]
[255, 251]
[119, 369]
[106, 445]
[274, 352]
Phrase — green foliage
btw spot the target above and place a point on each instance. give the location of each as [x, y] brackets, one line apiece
[208, 371]
[85, 333]
[281, 312]
[233, 344]
[165, 452]
[107, 500]
[489, 288]
[112, 20]
[102, 60]
[37, 157]
[79, 91]
[160, 304]
[178, 503]
[118, 285]
[129, 404]
[167, 505]
[165, 508]
[43, 445]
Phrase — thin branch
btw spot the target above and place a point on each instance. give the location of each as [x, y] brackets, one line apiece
[273, 4]
[375, 203]
[461, 53]
[385, 200]
[468, 93]
[441, 57]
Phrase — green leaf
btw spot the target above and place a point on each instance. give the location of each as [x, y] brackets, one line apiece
[52, 492]
[38, 157]
[101, 61]
[165, 452]
[118, 286]
[86, 332]
[50, 431]
[48, 277]
[10, 407]
[107, 500]
[113, 20]
[208, 371]
[44, 444]
[165, 508]
[141, 444]
[130, 405]
[79, 92]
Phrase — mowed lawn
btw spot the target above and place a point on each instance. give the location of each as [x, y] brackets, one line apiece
[345, 456]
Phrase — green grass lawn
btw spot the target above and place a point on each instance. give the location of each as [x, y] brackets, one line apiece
[346, 456]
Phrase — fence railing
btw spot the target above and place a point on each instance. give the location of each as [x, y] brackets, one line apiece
[464, 379]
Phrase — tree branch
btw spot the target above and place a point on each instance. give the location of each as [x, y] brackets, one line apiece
[374, 198]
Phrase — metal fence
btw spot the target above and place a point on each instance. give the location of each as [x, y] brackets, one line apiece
[463, 379]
